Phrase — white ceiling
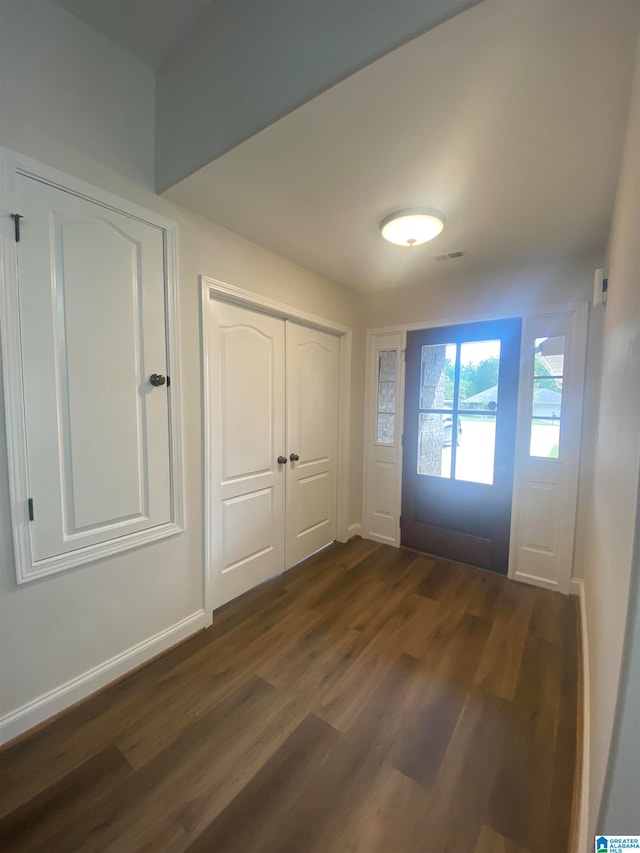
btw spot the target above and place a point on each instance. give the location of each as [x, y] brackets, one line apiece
[149, 29]
[509, 118]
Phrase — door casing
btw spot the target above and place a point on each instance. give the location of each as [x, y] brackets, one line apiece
[578, 316]
[211, 288]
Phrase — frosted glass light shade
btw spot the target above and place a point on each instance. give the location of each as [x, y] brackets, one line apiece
[411, 227]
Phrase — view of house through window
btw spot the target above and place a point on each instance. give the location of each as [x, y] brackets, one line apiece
[458, 408]
[546, 404]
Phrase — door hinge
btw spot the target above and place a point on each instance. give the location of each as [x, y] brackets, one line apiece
[16, 225]
[400, 525]
[30, 505]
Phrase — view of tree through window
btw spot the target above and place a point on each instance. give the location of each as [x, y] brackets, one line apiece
[456, 433]
[474, 378]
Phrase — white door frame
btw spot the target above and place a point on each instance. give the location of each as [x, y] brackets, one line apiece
[578, 311]
[211, 288]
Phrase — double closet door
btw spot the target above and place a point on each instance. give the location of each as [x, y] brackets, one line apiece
[273, 416]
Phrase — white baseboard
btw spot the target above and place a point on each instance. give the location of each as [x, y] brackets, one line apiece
[532, 580]
[583, 843]
[354, 530]
[37, 711]
[383, 540]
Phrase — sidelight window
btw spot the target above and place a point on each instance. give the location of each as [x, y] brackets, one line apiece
[546, 402]
[387, 396]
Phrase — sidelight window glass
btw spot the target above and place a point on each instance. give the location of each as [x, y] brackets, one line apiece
[387, 396]
[546, 402]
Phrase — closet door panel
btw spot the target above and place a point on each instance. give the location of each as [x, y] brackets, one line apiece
[312, 432]
[95, 251]
[247, 403]
[93, 325]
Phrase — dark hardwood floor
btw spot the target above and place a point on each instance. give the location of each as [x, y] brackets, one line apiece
[369, 700]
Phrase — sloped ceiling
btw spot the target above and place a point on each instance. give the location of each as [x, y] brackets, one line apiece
[247, 63]
[149, 29]
[509, 118]
[226, 69]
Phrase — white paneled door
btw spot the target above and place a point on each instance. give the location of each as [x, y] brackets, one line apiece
[248, 433]
[312, 418]
[93, 332]
[272, 422]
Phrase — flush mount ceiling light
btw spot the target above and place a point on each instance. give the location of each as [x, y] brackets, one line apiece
[412, 227]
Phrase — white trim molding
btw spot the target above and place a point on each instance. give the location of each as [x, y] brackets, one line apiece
[211, 288]
[354, 530]
[54, 701]
[582, 822]
[27, 568]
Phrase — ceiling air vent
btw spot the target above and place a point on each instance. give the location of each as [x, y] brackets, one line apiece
[449, 256]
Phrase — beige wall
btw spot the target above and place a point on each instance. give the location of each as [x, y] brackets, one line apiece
[500, 293]
[613, 485]
[71, 99]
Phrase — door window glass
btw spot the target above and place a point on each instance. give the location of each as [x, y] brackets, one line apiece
[437, 376]
[434, 456]
[546, 403]
[479, 368]
[387, 395]
[476, 448]
[456, 380]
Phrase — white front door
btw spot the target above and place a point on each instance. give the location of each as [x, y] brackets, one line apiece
[312, 439]
[272, 396]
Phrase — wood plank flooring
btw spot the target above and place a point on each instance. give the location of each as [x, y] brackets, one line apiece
[371, 700]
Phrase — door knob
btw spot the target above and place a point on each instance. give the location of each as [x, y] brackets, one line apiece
[157, 379]
[282, 460]
[294, 457]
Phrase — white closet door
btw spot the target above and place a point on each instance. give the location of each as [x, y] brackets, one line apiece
[92, 314]
[247, 375]
[312, 435]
